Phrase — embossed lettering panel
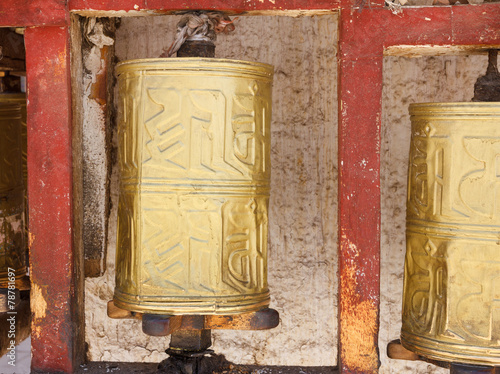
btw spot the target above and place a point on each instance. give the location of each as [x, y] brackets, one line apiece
[418, 197]
[196, 131]
[425, 285]
[452, 291]
[250, 120]
[479, 189]
[129, 135]
[245, 244]
[127, 242]
[180, 244]
[454, 175]
[203, 246]
[475, 293]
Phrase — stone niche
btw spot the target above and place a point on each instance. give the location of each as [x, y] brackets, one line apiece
[303, 205]
[406, 81]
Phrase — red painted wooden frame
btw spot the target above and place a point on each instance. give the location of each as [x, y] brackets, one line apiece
[95, 6]
[52, 259]
[363, 38]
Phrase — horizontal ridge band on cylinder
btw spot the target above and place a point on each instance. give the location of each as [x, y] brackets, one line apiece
[451, 308]
[194, 157]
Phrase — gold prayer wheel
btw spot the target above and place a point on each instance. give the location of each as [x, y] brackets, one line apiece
[451, 302]
[12, 240]
[194, 158]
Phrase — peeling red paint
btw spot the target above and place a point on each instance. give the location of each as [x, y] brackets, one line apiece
[50, 193]
[359, 212]
[23, 13]
[231, 5]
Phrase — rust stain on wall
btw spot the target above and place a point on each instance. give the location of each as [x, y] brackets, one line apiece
[358, 327]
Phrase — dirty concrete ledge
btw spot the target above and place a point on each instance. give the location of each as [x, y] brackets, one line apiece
[148, 368]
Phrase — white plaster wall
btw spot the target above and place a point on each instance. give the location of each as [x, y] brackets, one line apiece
[303, 207]
[429, 79]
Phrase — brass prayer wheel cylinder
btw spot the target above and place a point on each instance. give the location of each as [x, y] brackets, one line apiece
[194, 158]
[12, 240]
[451, 301]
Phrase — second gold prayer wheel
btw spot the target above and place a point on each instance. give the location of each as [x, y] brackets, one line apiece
[194, 156]
[12, 239]
[451, 302]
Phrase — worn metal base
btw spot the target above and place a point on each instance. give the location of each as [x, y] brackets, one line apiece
[395, 350]
[188, 352]
[472, 369]
[158, 325]
[191, 337]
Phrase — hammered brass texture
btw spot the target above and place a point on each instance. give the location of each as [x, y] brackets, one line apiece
[451, 301]
[194, 158]
[12, 240]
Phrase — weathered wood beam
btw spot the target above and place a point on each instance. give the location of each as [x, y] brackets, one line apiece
[56, 292]
[97, 53]
[147, 7]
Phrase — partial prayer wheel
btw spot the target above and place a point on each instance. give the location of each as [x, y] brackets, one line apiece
[12, 239]
[194, 159]
[451, 302]
[20, 98]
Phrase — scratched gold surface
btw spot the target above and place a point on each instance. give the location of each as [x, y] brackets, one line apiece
[451, 302]
[12, 240]
[194, 158]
